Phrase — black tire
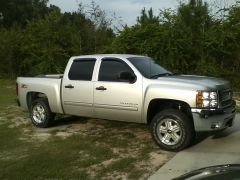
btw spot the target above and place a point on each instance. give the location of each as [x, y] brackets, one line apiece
[48, 117]
[185, 135]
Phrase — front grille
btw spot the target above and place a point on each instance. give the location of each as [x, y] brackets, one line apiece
[225, 98]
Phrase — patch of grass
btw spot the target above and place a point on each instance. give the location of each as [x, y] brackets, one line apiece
[45, 167]
[123, 165]
[136, 174]
[7, 97]
[147, 148]
[129, 135]
[7, 82]
[54, 158]
[9, 138]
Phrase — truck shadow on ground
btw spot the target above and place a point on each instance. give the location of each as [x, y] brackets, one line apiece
[226, 133]
[200, 137]
[71, 120]
[214, 135]
[68, 120]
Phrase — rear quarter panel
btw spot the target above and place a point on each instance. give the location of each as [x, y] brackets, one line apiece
[49, 87]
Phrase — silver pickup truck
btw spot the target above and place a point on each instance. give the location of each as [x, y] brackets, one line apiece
[131, 88]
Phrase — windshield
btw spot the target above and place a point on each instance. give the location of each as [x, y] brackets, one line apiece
[148, 68]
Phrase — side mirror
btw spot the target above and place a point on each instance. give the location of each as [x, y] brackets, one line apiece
[127, 76]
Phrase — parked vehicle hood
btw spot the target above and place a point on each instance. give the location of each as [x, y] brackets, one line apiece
[229, 172]
[199, 82]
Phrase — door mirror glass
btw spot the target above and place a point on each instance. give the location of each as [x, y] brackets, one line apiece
[127, 76]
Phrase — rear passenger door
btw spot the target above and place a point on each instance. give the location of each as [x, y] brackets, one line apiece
[77, 88]
[114, 99]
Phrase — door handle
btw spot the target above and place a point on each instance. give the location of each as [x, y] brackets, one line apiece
[101, 88]
[69, 86]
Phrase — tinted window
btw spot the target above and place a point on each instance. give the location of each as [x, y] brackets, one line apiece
[82, 69]
[148, 68]
[110, 69]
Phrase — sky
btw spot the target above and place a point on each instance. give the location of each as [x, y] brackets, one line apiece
[128, 10]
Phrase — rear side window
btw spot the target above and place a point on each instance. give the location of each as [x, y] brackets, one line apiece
[82, 69]
[110, 69]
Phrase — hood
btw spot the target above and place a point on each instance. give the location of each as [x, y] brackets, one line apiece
[199, 82]
[229, 172]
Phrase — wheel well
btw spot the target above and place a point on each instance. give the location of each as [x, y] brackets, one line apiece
[157, 105]
[31, 96]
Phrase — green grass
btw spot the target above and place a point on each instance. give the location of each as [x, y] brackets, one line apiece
[55, 158]
[7, 82]
[24, 155]
[124, 164]
[7, 95]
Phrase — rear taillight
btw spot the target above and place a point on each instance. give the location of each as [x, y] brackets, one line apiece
[17, 89]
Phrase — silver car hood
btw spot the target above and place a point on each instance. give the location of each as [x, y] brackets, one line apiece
[227, 171]
[199, 82]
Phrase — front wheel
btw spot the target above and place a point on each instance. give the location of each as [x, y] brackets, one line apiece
[172, 130]
[41, 114]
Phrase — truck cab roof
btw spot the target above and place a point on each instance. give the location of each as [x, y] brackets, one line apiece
[107, 55]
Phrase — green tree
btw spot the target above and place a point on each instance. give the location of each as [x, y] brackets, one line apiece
[15, 11]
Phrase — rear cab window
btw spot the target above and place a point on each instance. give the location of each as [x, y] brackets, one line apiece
[82, 69]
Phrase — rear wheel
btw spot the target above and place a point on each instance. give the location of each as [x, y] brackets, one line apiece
[41, 114]
[172, 130]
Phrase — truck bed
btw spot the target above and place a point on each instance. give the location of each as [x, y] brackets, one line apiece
[48, 85]
[52, 76]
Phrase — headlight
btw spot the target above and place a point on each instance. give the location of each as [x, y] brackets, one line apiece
[207, 99]
[213, 95]
[205, 103]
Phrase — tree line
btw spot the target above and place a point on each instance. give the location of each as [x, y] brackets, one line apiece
[37, 39]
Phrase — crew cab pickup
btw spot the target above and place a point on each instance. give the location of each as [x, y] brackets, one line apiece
[131, 88]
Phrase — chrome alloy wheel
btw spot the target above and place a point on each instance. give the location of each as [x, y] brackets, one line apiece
[38, 113]
[169, 131]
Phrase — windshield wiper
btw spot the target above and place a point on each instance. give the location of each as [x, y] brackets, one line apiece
[161, 75]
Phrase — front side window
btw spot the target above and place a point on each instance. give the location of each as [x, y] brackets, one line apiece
[82, 69]
[148, 68]
[111, 68]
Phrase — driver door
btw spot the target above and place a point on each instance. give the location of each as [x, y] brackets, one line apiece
[114, 99]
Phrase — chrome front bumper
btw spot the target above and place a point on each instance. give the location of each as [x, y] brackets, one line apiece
[213, 119]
